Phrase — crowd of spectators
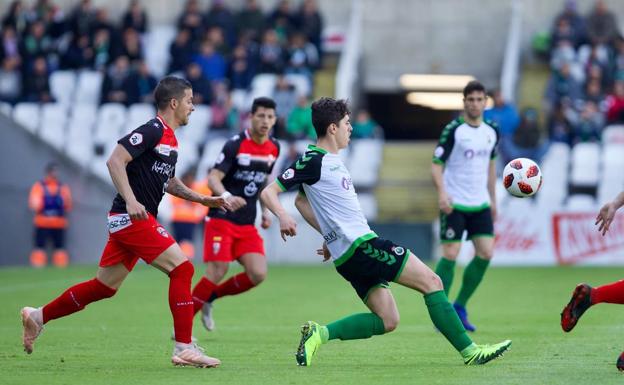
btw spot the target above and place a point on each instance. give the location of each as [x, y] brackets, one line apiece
[585, 91]
[219, 49]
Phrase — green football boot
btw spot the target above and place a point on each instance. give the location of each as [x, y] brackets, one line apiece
[485, 353]
[309, 344]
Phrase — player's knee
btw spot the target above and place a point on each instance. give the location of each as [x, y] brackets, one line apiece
[256, 276]
[184, 270]
[486, 254]
[391, 323]
[433, 283]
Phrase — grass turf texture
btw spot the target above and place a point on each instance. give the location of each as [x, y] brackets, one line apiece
[127, 339]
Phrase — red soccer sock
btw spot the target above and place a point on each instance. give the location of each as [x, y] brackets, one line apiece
[611, 293]
[76, 298]
[237, 284]
[202, 291]
[181, 302]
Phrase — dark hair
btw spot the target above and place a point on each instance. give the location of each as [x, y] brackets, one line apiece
[262, 101]
[472, 86]
[51, 166]
[170, 87]
[326, 111]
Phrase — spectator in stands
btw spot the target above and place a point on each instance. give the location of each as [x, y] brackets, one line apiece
[563, 32]
[239, 72]
[282, 21]
[82, 18]
[250, 19]
[79, 54]
[285, 97]
[615, 103]
[116, 86]
[559, 127]
[202, 89]
[602, 25]
[271, 54]
[212, 63]
[131, 46]
[10, 48]
[574, 24]
[618, 59]
[593, 93]
[310, 23]
[51, 201]
[135, 17]
[364, 127]
[224, 115]
[252, 49]
[220, 16]
[37, 85]
[302, 58]
[180, 51]
[16, 17]
[527, 141]
[54, 20]
[10, 81]
[191, 20]
[101, 49]
[587, 125]
[35, 44]
[215, 36]
[142, 84]
[299, 124]
[102, 21]
[507, 118]
[562, 88]
[186, 215]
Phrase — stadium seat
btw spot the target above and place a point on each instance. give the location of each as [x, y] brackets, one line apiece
[581, 202]
[98, 163]
[364, 161]
[262, 85]
[156, 48]
[139, 114]
[613, 134]
[585, 164]
[89, 87]
[197, 128]
[6, 109]
[27, 114]
[555, 169]
[80, 133]
[212, 149]
[110, 122]
[300, 82]
[62, 86]
[188, 156]
[240, 99]
[53, 122]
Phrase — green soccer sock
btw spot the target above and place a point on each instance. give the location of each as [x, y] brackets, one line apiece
[472, 277]
[446, 320]
[353, 327]
[445, 270]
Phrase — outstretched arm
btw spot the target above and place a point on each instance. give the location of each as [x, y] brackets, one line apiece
[607, 213]
[269, 197]
[177, 188]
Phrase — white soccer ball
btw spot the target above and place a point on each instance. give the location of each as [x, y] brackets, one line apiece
[522, 177]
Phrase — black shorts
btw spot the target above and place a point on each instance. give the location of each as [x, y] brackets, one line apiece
[476, 223]
[42, 235]
[373, 264]
[183, 231]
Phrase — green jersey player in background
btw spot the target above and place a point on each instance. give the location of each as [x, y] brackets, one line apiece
[328, 202]
[464, 172]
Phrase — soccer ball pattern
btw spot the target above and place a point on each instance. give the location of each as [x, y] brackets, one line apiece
[522, 177]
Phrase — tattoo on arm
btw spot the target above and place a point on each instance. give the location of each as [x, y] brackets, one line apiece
[176, 188]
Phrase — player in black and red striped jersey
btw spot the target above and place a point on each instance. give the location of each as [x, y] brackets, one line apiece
[142, 167]
[239, 174]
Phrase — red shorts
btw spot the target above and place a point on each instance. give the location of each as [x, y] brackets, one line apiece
[129, 240]
[225, 241]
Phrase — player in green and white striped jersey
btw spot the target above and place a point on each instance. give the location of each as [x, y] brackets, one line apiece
[328, 202]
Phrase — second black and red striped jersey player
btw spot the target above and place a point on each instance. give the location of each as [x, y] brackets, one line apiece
[246, 165]
[154, 151]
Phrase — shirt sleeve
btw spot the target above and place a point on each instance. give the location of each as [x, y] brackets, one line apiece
[445, 144]
[141, 139]
[307, 169]
[494, 152]
[227, 157]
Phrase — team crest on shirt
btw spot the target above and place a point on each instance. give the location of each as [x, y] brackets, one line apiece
[288, 174]
[216, 245]
[161, 230]
[450, 233]
[136, 139]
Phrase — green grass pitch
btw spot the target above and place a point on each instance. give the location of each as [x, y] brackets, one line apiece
[126, 340]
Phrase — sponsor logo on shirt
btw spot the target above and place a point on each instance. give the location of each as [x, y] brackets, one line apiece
[251, 189]
[470, 153]
[330, 237]
[164, 149]
[136, 139]
[118, 222]
[244, 159]
[162, 168]
[439, 151]
[250, 176]
[288, 174]
[346, 183]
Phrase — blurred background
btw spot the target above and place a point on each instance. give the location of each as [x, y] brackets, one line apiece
[77, 75]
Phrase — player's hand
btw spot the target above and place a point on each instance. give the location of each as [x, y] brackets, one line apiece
[236, 202]
[266, 219]
[288, 226]
[324, 251]
[444, 202]
[136, 210]
[605, 217]
[216, 202]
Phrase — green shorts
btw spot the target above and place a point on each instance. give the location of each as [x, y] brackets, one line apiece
[477, 223]
[373, 264]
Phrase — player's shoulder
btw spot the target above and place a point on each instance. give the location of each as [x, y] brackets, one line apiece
[275, 143]
[453, 124]
[492, 124]
[235, 141]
